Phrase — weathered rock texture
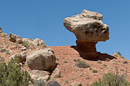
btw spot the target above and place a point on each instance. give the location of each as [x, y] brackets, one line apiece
[39, 42]
[39, 74]
[88, 29]
[43, 59]
[13, 37]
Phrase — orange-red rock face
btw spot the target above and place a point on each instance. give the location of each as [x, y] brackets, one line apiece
[87, 49]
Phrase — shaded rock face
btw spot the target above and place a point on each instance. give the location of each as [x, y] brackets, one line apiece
[88, 29]
[43, 59]
[0, 30]
[56, 73]
[13, 37]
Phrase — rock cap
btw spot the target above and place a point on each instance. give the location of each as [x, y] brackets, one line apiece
[87, 26]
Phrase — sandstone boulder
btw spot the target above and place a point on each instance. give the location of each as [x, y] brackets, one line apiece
[39, 75]
[13, 37]
[29, 41]
[88, 29]
[52, 83]
[43, 59]
[56, 73]
[39, 42]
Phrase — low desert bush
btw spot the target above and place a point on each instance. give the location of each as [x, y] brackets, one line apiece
[95, 71]
[12, 75]
[110, 79]
[82, 64]
[3, 50]
[2, 59]
[25, 44]
[120, 55]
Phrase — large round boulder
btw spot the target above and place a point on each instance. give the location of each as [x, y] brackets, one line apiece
[43, 59]
[39, 42]
[52, 83]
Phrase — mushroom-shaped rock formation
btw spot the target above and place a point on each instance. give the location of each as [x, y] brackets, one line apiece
[88, 29]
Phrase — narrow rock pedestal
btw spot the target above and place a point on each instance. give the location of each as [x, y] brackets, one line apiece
[87, 49]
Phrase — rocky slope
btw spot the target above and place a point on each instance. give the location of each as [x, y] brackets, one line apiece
[67, 57]
[66, 71]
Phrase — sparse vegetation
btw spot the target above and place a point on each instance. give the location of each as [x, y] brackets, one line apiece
[104, 65]
[2, 59]
[7, 52]
[99, 61]
[110, 79]
[65, 61]
[87, 77]
[82, 64]
[39, 83]
[120, 55]
[3, 50]
[12, 75]
[95, 71]
[25, 44]
[67, 81]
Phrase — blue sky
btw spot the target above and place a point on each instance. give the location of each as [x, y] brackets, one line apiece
[44, 19]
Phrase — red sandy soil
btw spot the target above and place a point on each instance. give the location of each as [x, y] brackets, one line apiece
[66, 59]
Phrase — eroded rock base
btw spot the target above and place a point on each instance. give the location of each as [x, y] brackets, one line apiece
[87, 49]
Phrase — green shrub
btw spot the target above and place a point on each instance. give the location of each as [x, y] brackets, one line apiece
[95, 71]
[2, 59]
[25, 44]
[110, 79]
[3, 50]
[119, 53]
[104, 65]
[12, 75]
[82, 64]
[65, 61]
[39, 83]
